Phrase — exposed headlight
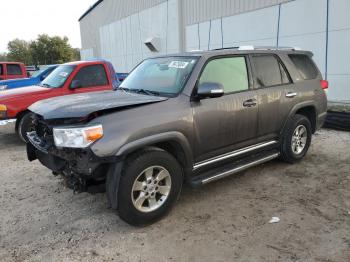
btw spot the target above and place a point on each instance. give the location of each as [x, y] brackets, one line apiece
[3, 87]
[77, 137]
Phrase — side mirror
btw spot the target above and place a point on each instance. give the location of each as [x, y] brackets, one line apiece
[75, 84]
[210, 90]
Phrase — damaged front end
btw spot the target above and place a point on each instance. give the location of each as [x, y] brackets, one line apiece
[80, 167]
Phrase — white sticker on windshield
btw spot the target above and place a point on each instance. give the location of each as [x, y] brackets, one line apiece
[178, 64]
[63, 74]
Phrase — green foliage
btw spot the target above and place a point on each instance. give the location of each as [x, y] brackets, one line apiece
[3, 57]
[44, 50]
[19, 50]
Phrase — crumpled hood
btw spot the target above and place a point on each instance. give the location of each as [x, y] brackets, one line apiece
[23, 91]
[81, 105]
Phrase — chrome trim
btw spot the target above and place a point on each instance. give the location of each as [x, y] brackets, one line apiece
[240, 168]
[291, 94]
[233, 154]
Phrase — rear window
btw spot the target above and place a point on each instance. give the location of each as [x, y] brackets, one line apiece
[305, 66]
[269, 71]
[13, 69]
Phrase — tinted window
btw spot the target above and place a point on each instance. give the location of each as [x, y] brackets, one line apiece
[230, 72]
[1, 70]
[269, 71]
[94, 75]
[305, 66]
[14, 69]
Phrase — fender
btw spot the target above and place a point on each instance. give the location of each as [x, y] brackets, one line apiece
[295, 109]
[158, 138]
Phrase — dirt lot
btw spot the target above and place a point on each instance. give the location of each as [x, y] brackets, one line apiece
[41, 220]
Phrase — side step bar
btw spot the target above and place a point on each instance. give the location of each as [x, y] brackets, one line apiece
[239, 168]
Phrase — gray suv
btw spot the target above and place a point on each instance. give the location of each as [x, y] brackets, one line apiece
[194, 117]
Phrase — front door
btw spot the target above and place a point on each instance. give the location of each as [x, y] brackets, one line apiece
[229, 122]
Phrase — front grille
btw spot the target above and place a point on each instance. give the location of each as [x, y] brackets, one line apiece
[43, 130]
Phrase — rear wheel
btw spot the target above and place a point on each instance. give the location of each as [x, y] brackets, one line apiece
[25, 125]
[296, 139]
[150, 184]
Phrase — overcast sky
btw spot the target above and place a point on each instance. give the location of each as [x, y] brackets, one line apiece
[26, 19]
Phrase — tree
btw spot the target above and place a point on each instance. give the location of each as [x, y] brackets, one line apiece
[19, 51]
[3, 57]
[51, 50]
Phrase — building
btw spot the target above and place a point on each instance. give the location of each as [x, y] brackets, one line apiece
[127, 31]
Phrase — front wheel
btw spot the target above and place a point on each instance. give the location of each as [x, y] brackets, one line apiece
[150, 184]
[25, 125]
[296, 139]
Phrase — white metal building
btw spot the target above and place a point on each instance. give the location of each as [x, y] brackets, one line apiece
[117, 30]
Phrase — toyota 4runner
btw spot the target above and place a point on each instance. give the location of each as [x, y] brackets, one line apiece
[194, 117]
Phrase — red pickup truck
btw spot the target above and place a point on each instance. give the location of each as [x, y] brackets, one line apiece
[12, 70]
[70, 78]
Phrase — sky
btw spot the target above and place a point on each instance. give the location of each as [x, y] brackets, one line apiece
[26, 19]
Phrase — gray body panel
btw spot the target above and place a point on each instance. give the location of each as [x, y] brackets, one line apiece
[202, 128]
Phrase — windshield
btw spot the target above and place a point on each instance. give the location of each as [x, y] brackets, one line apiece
[58, 76]
[160, 76]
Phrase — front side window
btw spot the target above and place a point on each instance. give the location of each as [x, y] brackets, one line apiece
[269, 71]
[58, 76]
[305, 66]
[164, 76]
[13, 69]
[92, 75]
[231, 72]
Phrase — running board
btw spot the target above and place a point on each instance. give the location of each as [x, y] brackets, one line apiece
[202, 180]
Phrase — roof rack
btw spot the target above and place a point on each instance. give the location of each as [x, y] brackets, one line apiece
[251, 47]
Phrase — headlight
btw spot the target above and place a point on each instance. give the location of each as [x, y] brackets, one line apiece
[77, 137]
[3, 111]
[3, 87]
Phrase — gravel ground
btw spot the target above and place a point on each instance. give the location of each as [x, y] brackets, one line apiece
[41, 220]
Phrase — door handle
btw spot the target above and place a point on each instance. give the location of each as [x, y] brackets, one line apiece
[291, 94]
[249, 103]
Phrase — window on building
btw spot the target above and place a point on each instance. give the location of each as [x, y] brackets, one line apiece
[305, 66]
[93, 75]
[231, 72]
[13, 69]
[269, 71]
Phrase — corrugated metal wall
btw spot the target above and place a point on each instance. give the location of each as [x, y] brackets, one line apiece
[196, 11]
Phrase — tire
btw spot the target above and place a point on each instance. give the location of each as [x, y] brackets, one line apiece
[24, 126]
[141, 207]
[290, 152]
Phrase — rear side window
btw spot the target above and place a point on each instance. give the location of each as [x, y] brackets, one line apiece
[14, 69]
[93, 75]
[230, 72]
[269, 71]
[305, 66]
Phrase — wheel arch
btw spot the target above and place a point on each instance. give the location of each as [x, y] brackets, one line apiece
[307, 109]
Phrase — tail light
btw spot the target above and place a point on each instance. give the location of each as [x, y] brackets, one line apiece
[324, 84]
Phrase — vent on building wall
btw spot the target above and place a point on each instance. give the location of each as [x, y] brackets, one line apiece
[153, 44]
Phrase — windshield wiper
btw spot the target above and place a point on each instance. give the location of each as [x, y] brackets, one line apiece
[45, 85]
[147, 92]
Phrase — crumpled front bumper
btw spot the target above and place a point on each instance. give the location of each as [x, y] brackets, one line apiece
[81, 162]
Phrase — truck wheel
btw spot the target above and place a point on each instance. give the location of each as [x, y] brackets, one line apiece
[296, 139]
[150, 184]
[25, 125]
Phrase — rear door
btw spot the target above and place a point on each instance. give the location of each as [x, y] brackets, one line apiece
[229, 122]
[273, 83]
[91, 78]
[14, 71]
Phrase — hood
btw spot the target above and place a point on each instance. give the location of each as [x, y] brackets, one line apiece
[23, 91]
[82, 105]
[13, 81]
